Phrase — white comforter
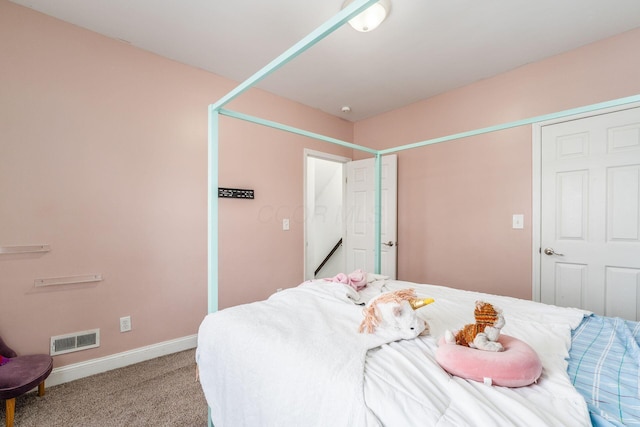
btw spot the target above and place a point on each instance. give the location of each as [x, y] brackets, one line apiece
[297, 359]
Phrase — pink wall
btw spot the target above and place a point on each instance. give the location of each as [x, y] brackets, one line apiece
[103, 156]
[256, 255]
[456, 199]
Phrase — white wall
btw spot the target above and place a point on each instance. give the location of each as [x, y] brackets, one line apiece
[325, 181]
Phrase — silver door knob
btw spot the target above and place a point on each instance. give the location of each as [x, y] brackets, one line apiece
[389, 243]
[550, 251]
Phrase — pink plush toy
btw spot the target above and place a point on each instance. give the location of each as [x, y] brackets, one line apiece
[5, 353]
[517, 366]
[357, 279]
[506, 362]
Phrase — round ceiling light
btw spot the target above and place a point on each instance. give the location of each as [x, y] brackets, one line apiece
[370, 18]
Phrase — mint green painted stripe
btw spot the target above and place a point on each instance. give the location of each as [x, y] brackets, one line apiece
[212, 191]
[314, 37]
[517, 123]
[292, 129]
[377, 259]
[212, 223]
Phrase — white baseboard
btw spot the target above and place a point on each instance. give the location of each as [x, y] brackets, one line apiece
[76, 371]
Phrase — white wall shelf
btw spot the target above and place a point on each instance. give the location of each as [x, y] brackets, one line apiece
[69, 280]
[24, 249]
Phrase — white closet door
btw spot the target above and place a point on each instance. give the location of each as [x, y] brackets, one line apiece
[360, 220]
[590, 231]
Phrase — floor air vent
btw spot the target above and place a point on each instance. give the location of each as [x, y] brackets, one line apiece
[75, 342]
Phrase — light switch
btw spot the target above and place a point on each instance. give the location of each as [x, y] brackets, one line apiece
[518, 221]
[285, 224]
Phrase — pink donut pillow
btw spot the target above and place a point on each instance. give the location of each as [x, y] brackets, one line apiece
[518, 365]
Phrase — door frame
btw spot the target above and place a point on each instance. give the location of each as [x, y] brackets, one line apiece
[536, 207]
[324, 156]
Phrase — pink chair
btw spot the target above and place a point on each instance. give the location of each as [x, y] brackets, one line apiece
[19, 374]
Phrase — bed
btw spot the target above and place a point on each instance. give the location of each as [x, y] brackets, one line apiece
[297, 359]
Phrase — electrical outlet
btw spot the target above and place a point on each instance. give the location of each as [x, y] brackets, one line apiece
[125, 324]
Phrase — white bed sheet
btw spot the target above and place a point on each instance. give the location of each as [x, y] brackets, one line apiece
[296, 359]
[427, 395]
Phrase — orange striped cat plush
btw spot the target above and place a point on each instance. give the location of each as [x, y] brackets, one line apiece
[484, 333]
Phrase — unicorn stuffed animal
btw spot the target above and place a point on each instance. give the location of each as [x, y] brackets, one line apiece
[391, 316]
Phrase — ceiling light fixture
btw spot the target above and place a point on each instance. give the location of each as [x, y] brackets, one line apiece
[372, 17]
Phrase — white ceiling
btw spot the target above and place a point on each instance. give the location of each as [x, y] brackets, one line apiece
[424, 48]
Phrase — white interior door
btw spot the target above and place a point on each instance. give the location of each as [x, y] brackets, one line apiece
[360, 218]
[590, 214]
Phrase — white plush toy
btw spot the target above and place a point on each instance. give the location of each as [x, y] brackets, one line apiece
[392, 316]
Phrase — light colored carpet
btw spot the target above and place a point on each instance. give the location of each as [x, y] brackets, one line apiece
[158, 392]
